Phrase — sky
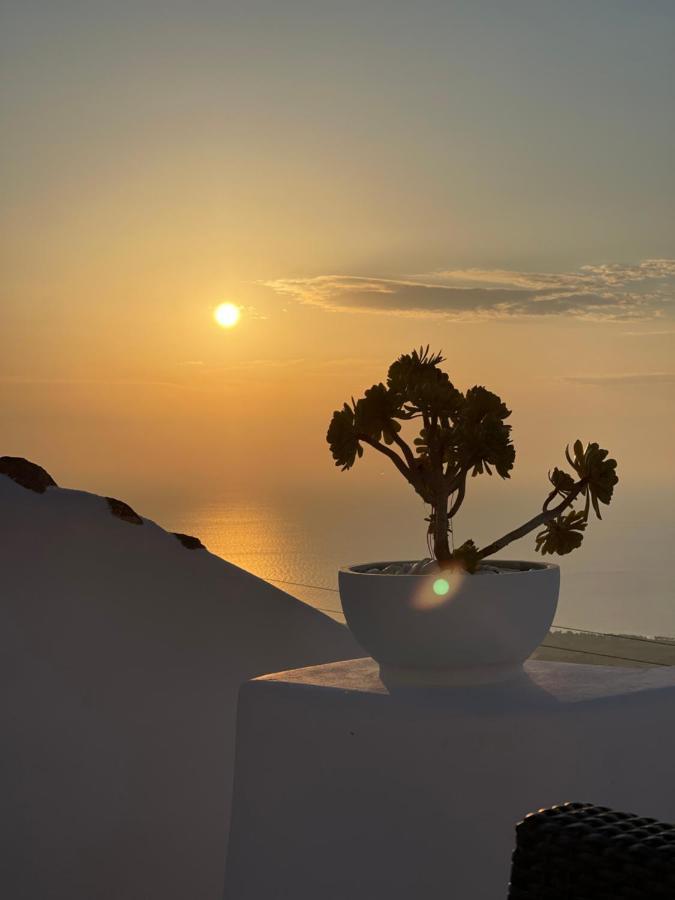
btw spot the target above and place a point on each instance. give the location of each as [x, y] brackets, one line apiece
[493, 178]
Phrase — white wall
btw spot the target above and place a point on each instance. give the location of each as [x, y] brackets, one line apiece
[121, 654]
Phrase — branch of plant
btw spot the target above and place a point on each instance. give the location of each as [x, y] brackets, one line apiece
[545, 516]
[459, 499]
[407, 452]
[551, 497]
[393, 456]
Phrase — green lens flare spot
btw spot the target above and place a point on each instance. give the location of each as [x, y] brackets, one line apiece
[441, 587]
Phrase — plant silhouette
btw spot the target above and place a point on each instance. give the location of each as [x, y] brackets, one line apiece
[461, 435]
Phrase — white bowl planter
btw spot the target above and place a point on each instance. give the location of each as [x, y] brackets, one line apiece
[451, 627]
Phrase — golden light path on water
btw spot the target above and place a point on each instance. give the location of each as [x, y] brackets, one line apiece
[298, 542]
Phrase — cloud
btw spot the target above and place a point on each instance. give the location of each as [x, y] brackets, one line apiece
[596, 293]
[662, 333]
[252, 312]
[622, 379]
[95, 382]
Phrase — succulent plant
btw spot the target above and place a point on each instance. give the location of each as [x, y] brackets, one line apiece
[462, 435]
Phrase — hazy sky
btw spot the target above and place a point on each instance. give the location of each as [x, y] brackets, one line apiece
[493, 178]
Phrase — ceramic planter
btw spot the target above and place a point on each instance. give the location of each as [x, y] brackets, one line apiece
[451, 627]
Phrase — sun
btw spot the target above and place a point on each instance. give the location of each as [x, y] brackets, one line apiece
[227, 314]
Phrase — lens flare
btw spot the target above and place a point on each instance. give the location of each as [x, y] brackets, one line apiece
[434, 592]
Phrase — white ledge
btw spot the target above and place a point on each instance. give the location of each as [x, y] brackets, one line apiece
[345, 789]
[554, 682]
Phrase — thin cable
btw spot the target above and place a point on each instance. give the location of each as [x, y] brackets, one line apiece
[316, 587]
[645, 640]
[627, 637]
[648, 662]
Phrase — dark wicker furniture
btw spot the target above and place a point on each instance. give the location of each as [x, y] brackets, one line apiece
[578, 851]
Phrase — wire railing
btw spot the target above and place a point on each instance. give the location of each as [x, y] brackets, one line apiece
[650, 662]
[559, 628]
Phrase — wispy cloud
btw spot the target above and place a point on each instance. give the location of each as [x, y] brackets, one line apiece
[663, 333]
[252, 312]
[95, 382]
[622, 379]
[600, 292]
[269, 365]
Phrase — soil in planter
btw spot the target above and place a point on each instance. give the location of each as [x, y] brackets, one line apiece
[430, 566]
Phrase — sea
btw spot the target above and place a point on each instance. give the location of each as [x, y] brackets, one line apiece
[621, 581]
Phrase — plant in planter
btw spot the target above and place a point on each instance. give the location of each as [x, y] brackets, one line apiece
[460, 435]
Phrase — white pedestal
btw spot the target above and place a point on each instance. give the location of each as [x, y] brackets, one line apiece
[345, 790]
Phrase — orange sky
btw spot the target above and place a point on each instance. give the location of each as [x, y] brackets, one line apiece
[360, 180]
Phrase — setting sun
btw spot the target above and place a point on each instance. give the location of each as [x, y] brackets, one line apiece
[227, 314]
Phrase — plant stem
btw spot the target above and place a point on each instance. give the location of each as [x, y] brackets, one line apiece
[441, 525]
[459, 499]
[541, 519]
[394, 457]
[407, 452]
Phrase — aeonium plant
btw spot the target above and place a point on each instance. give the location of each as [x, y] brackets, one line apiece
[461, 435]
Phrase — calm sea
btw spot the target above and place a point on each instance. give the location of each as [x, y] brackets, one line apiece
[620, 581]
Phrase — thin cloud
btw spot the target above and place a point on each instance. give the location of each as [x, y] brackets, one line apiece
[252, 312]
[595, 293]
[667, 333]
[265, 366]
[622, 379]
[106, 382]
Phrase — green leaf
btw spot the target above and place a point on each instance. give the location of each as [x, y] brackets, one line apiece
[482, 436]
[417, 380]
[341, 436]
[561, 481]
[374, 414]
[597, 472]
[562, 534]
